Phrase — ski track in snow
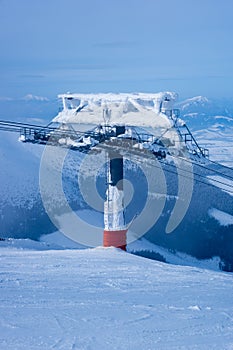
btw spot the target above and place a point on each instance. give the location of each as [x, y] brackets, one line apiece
[108, 299]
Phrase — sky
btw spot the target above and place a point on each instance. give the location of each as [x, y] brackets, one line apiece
[55, 46]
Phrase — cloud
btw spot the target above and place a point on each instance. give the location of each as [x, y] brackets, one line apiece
[31, 76]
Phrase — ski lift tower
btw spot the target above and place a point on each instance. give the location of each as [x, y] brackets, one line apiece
[115, 229]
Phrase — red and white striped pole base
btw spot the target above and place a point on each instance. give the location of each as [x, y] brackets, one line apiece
[115, 238]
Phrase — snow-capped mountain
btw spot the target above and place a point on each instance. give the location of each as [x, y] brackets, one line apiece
[30, 97]
[202, 112]
[204, 105]
[211, 122]
[29, 108]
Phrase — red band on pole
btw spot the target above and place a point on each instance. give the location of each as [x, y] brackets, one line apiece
[115, 238]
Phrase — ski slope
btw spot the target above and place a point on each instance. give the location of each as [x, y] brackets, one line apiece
[53, 298]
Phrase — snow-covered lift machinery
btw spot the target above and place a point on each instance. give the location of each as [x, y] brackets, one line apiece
[106, 136]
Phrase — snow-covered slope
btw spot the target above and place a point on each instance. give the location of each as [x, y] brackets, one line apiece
[20, 203]
[218, 139]
[143, 247]
[108, 299]
[22, 213]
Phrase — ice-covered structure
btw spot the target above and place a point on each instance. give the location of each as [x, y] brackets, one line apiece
[181, 189]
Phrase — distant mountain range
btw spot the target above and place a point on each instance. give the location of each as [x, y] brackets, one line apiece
[197, 111]
[211, 121]
[200, 112]
[29, 109]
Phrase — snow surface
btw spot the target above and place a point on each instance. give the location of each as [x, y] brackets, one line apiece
[223, 218]
[19, 170]
[108, 299]
[221, 182]
[177, 258]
